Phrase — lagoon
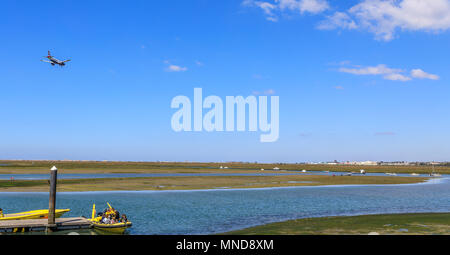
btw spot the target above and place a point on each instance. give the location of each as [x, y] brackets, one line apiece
[143, 175]
[217, 211]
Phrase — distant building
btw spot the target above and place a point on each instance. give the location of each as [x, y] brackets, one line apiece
[393, 163]
[369, 163]
[360, 163]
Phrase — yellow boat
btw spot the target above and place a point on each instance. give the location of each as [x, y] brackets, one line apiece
[117, 228]
[36, 214]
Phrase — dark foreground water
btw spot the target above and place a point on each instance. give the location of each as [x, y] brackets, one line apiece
[216, 211]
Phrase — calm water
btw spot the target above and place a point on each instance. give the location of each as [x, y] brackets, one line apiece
[131, 175]
[215, 211]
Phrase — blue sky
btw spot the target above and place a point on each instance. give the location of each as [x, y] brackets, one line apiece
[353, 85]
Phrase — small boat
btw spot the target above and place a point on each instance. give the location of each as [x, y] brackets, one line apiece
[36, 214]
[116, 228]
[433, 173]
[414, 174]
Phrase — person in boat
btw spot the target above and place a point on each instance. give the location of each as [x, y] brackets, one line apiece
[105, 219]
[112, 219]
[1, 213]
[107, 211]
[117, 216]
[112, 216]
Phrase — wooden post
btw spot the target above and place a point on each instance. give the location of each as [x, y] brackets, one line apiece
[52, 199]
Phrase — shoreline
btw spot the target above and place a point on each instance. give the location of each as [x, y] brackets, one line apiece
[416, 223]
[417, 181]
[67, 166]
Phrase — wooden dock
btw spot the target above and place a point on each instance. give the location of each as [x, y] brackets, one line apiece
[51, 223]
[17, 226]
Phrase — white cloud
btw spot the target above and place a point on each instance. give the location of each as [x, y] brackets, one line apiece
[387, 73]
[338, 20]
[175, 68]
[420, 74]
[370, 70]
[272, 8]
[267, 8]
[393, 74]
[397, 77]
[312, 6]
[385, 17]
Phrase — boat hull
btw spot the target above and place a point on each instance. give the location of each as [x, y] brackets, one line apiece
[36, 214]
[117, 228]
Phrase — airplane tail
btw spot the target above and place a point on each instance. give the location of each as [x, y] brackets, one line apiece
[49, 54]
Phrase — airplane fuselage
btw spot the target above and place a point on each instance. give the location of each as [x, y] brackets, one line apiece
[56, 61]
[53, 61]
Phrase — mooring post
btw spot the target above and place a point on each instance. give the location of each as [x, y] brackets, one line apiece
[52, 199]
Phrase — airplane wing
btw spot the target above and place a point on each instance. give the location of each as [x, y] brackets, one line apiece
[46, 61]
[66, 60]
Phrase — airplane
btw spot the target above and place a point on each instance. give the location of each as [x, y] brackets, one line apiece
[53, 61]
